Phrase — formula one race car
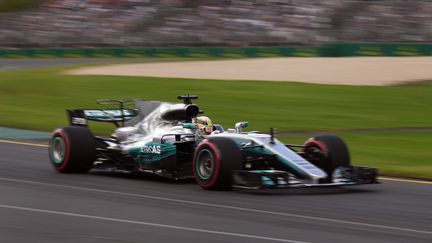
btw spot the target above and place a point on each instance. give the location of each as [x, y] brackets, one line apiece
[176, 141]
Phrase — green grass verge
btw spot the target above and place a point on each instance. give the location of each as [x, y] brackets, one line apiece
[37, 99]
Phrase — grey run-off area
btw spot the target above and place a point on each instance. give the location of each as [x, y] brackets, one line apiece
[9, 64]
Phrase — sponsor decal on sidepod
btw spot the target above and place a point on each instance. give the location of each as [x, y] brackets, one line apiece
[151, 149]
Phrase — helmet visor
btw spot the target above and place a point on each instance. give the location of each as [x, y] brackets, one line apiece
[208, 129]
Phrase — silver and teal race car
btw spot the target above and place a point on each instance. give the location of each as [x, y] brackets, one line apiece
[175, 141]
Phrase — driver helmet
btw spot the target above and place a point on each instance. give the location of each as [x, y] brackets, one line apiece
[204, 124]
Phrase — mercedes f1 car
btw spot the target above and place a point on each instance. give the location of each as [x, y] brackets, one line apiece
[175, 141]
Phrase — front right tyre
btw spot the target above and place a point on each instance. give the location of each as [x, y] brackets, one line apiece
[327, 152]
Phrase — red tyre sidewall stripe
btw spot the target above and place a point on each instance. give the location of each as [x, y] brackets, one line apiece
[60, 133]
[316, 143]
[216, 155]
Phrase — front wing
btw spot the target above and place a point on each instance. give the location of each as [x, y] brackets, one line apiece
[274, 179]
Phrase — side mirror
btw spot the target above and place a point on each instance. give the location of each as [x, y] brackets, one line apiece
[189, 125]
[240, 125]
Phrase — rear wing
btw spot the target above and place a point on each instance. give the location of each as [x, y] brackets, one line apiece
[80, 117]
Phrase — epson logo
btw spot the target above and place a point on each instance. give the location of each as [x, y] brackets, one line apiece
[151, 149]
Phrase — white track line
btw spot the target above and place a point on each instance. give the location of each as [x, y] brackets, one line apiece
[148, 224]
[381, 177]
[251, 210]
[24, 143]
[405, 180]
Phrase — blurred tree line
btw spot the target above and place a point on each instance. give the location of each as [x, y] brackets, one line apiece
[16, 5]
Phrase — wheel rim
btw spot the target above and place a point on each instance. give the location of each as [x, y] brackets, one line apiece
[58, 150]
[205, 164]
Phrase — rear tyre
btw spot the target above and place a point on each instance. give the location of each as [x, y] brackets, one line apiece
[327, 152]
[72, 149]
[214, 161]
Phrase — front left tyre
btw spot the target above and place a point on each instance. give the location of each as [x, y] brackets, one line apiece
[214, 161]
[72, 149]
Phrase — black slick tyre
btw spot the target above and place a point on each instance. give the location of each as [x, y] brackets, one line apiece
[72, 149]
[327, 152]
[214, 161]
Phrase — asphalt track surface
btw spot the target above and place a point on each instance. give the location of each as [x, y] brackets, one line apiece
[38, 204]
